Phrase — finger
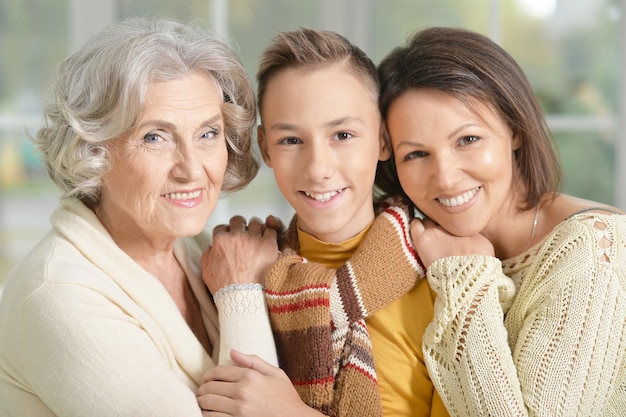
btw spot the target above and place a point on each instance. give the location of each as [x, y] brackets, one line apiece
[429, 223]
[253, 362]
[271, 235]
[237, 223]
[219, 229]
[206, 413]
[214, 405]
[218, 388]
[256, 226]
[274, 222]
[417, 227]
[225, 373]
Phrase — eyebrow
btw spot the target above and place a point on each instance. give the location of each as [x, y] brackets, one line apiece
[333, 123]
[171, 126]
[450, 136]
[458, 129]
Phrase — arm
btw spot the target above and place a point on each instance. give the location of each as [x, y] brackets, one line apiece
[356, 289]
[87, 356]
[317, 314]
[566, 330]
[244, 323]
[465, 347]
[234, 268]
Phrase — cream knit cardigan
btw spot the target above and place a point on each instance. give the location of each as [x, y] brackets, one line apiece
[561, 348]
[85, 331]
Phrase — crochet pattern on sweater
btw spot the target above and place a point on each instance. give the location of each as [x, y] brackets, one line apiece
[561, 348]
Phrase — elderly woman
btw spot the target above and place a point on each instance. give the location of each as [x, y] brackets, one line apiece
[108, 315]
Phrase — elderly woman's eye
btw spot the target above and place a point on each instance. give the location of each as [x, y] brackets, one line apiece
[210, 134]
[151, 138]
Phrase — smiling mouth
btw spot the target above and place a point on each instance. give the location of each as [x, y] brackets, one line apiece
[183, 196]
[323, 197]
[459, 200]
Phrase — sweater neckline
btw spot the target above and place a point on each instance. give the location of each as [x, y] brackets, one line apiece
[331, 255]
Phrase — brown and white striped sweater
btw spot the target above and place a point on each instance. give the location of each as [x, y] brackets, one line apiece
[318, 314]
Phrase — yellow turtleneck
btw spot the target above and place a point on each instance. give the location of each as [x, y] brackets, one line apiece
[396, 332]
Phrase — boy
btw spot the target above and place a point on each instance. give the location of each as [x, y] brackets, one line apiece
[322, 135]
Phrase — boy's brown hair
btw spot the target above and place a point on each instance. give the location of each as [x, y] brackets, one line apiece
[312, 49]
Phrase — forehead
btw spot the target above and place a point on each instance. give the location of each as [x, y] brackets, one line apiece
[190, 87]
[421, 110]
[321, 85]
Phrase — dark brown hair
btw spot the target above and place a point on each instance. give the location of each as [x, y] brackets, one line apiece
[471, 67]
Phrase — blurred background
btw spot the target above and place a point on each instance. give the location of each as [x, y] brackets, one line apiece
[573, 51]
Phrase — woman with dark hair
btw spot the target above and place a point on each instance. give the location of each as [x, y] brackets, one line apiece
[530, 312]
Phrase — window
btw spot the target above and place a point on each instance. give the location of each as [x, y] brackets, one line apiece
[569, 49]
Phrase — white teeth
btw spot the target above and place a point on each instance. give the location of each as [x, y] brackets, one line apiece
[322, 198]
[183, 196]
[457, 201]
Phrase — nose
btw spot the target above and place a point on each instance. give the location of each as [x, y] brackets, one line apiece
[187, 163]
[320, 160]
[444, 171]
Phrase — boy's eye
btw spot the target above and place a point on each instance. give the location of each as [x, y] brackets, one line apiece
[343, 135]
[289, 141]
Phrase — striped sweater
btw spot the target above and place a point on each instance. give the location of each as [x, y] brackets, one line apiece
[318, 314]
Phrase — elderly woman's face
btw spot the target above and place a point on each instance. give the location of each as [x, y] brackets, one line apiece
[166, 176]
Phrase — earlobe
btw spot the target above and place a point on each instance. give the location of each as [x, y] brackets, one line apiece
[385, 144]
[516, 143]
[262, 141]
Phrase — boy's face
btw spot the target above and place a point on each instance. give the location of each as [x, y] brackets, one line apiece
[322, 136]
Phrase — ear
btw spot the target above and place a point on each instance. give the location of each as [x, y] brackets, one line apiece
[385, 143]
[262, 141]
[516, 143]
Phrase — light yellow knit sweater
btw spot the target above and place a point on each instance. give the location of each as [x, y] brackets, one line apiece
[561, 348]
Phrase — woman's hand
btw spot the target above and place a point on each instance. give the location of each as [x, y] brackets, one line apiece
[253, 388]
[239, 254]
[433, 242]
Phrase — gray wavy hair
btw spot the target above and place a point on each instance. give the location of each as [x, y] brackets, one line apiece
[99, 91]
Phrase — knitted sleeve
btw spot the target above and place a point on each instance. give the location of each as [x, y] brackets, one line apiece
[357, 289]
[244, 323]
[383, 268]
[465, 347]
[561, 349]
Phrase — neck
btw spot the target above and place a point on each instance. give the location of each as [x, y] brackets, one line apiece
[511, 235]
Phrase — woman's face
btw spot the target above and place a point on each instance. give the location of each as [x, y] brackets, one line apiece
[166, 176]
[456, 165]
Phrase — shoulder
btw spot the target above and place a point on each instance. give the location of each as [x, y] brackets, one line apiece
[565, 206]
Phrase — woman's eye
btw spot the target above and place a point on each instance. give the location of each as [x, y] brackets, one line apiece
[414, 155]
[152, 138]
[210, 134]
[466, 140]
[343, 135]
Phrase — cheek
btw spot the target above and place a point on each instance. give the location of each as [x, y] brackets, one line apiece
[410, 180]
[494, 163]
[215, 165]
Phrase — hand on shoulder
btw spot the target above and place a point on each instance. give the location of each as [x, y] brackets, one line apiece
[239, 254]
